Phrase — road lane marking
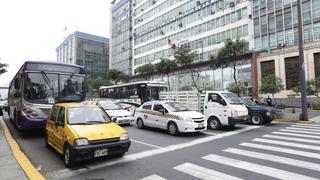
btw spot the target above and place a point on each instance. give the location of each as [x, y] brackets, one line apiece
[298, 135]
[297, 131]
[147, 144]
[309, 127]
[292, 139]
[64, 173]
[282, 150]
[274, 158]
[284, 143]
[21, 158]
[257, 168]
[203, 173]
[210, 133]
[153, 177]
[303, 129]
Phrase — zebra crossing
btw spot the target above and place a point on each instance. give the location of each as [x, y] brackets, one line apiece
[295, 149]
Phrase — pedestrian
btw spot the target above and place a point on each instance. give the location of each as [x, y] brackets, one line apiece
[261, 101]
[269, 101]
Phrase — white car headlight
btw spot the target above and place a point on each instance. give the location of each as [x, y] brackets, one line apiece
[124, 136]
[81, 142]
[188, 119]
[234, 113]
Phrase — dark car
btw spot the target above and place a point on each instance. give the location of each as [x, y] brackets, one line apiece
[259, 114]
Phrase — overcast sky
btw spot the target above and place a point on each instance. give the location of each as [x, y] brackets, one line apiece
[32, 29]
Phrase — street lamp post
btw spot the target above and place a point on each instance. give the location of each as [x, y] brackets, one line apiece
[301, 67]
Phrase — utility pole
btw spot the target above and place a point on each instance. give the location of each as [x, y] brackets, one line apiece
[301, 67]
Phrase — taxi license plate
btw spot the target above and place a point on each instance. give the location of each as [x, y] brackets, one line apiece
[200, 125]
[101, 152]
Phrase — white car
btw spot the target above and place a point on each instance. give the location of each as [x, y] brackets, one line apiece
[171, 116]
[116, 112]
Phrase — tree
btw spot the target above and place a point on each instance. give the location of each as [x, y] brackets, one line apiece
[313, 87]
[226, 57]
[185, 88]
[233, 88]
[3, 67]
[96, 83]
[271, 84]
[115, 75]
[185, 57]
[165, 66]
[146, 69]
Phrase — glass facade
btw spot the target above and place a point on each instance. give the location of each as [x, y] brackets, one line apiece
[279, 23]
[121, 44]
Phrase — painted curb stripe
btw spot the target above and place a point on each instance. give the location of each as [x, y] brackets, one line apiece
[21, 158]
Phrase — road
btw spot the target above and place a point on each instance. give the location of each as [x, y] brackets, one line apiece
[274, 151]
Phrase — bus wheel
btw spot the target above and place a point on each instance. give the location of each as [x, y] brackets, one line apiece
[214, 123]
[140, 124]
[16, 120]
[173, 128]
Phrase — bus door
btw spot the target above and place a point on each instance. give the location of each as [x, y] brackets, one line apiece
[143, 93]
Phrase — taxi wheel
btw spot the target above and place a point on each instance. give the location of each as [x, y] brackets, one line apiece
[140, 124]
[214, 123]
[256, 119]
[68, 160]
[173, 128]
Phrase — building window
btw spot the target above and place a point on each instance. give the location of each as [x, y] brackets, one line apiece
[255, 6]
[270, 5]
[256, 27]
[264, 25]
[317, 64]
[273, 41]
[287, 20]
[285, 2]
[295, 15]
[316, 10]
[306, 12]
[279, 22]
[280, 37]
[257, 43]
[278, 4]
[307, 36]
[262, 4]
[264, 42]
[291, 67]
[316, 31]
[271, 23]
[289, 38]
[267, 68]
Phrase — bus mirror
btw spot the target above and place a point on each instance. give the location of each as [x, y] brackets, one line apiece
[17, 94]
[17, 83]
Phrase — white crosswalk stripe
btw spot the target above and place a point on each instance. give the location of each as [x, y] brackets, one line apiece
[153, 177]
[284, 143]
[299, 131]
[203, 173]
[298, 135]
[282, 150]
[308, 127]
[274, 158]
[257, 168]
[292, 139]
[303, 129]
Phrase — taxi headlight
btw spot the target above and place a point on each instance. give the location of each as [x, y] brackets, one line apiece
[81, 142]
[234, 113]
[124, 136]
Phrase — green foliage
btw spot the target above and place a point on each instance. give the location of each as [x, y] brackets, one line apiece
[146, 69]
[184, 56]
[185, 88]
[96, 83]
[313, 87]
[3, 67]
[165, 66]
[240, 89]
[115, 75]
[271, 84]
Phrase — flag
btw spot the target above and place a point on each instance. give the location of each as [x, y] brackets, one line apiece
[173, 46]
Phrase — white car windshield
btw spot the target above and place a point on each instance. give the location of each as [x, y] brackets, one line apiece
[231, 98]
[176, 107]
[87, 115]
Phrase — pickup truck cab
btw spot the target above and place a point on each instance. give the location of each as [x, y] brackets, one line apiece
[259, 114]
[171, 116]
[222, 108]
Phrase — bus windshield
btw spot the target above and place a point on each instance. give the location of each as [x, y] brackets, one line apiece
[45, 88]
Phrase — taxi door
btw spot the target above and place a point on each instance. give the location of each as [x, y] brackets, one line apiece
[148, 117]
[160, 119]
[51, 126]
[59, 129]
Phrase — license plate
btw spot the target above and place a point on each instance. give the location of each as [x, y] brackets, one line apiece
[101, 152]
[200, 125]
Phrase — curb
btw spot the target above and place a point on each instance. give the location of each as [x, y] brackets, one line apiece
[21, 158]
[293, 121]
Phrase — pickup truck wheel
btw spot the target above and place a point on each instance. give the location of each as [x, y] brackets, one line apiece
[68, 159]
[173, 128]
[214, 123]
[256, 119]
[140, 124]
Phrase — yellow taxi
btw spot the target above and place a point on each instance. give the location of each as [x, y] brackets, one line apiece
[81, 131]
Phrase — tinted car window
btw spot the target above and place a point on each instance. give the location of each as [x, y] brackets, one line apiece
[54, 113]
[147, 106]
[158, 107]
[61, 116]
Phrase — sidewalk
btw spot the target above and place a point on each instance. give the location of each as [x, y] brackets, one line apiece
[10, 169]
[286, 115]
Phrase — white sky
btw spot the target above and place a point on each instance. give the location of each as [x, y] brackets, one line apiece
[32, 29]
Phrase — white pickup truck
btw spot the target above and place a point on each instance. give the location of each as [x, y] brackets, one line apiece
[220, 108]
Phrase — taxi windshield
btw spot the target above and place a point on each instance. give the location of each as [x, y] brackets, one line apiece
[176, 107]
[87, 115]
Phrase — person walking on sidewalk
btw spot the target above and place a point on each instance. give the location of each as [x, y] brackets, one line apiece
[269, 101]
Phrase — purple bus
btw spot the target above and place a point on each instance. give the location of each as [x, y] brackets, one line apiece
[37, 86]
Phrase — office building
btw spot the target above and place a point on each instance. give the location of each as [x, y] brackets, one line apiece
[87, 50]
[121, 33]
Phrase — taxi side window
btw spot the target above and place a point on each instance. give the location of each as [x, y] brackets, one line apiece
[54, 113]
[213, 97]
[60, 119]
[158, 107]
[147, 106]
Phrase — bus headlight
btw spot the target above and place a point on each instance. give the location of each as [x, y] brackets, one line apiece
[30, 113]
[81, 142]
